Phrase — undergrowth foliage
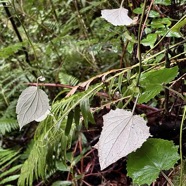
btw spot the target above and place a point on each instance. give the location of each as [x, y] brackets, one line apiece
[93, 69]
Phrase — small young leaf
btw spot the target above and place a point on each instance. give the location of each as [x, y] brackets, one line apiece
[138, 10]
[154, 156]
[85, 109]
[122, 134]
[62, 183]
[117, 17]
[154, 14]
[150, 40]
[32, 104]
[163, 2]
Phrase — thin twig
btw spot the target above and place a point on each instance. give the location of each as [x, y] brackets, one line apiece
[139, 44]
[146, 18]
[168, 180]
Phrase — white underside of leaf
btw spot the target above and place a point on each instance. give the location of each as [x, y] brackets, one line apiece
[117, 17]
[41, 118]
[122, 134]
[32, 104]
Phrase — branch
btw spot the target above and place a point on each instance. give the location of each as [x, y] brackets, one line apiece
[104, 94]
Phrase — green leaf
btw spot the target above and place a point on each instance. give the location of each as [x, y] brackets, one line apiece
[149, 40]
[150, 93]
[32, 104]
[176, 28]
[85, 109]
[62, 183]
[148, 30]
[9, 179]
[67, 79]
[138, 10]
[154, 14]
[154, 156]
[10, 171]
[172, 33]
[61, 166]
[7, 156]
[160, 23]
[179, 25]
[152, 82]
[7, 125]
[127, 35]
[163, 2]
[69, 123]
[10, 50]
[77, 115]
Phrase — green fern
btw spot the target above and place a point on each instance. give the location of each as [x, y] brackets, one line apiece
[7, 125]
[51, 142]
[67, 79]
[8, 171]
[50, 145]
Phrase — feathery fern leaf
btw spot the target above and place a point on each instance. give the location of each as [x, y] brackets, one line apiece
[50, 145]
[7, 159]
[7, 125]
[67, 79]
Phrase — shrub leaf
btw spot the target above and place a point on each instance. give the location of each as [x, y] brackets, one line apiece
[117, 17]
[154, 156]
[32, 104]
[122, 134]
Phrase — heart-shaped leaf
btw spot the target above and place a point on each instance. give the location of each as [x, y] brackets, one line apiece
[32, 104]
[154, 156]
[122, 134]
[117, 17]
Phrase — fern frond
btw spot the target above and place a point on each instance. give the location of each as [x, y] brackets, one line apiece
[10, 50]
[7, 125]
[9, 172]
[10, 110]
[67, 79]
[50, 146]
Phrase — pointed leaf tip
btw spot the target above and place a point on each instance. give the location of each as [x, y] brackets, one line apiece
[122, 134]
[32, 104]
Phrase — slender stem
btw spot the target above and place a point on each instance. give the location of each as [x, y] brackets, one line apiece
[147, 15]
[181, 156]
[122, 3]
[135, 103]
[177, 93]
[168, 180]
[163, 51]
[139, 43]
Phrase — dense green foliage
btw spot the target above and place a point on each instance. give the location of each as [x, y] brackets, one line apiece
[68, 42]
